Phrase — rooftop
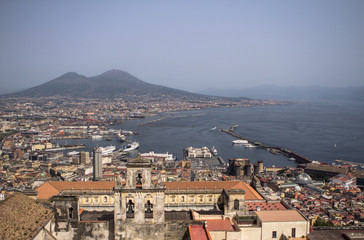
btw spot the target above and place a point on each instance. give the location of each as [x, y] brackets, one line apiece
[280, 216]
[50, 189]
[219, 225]
[21, 217]
[263, 206]
[250, 193]
[198, 232]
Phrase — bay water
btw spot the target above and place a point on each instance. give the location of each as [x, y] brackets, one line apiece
[319, 131]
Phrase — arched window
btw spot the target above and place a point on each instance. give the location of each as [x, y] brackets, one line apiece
[105, 199]
[139, 181]
[70, 213]
[236, 204]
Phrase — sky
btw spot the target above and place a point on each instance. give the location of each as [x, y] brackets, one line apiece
[189, 45]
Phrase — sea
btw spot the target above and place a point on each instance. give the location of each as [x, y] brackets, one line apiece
[319, 131]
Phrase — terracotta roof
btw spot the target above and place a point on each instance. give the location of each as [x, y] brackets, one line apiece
[49, 189]
[219, 224]
[21, 217]
[280, 216]
[250, 193]
[198, 232]
[264, 206]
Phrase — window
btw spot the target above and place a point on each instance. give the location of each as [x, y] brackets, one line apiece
[274, 234]
[70, 212]
[293, 232]
[236, 204]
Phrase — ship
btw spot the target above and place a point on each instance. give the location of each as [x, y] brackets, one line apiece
[126, 132]
[72, 153]
[107, 150]
[214, 151]
[120, 137]
[96, 137]
[153, 155]
[131, 147]
[240, 141]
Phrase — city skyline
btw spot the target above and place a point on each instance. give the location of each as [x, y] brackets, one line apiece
[185, 45]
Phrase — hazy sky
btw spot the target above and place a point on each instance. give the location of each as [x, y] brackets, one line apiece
[190, 45]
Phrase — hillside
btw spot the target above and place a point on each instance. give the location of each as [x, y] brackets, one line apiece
[109, 84]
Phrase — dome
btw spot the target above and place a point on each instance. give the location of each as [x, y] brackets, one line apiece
[304, 179]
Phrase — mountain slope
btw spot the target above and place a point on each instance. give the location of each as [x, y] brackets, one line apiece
[112, 83]
[310, 93]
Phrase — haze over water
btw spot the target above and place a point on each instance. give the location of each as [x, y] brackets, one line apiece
[321, 132]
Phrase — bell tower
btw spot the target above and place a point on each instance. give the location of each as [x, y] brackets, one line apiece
[139, 204]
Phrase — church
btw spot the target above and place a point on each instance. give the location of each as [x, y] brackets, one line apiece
[139, 208]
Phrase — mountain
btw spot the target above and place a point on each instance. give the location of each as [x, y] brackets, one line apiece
[292, 93]
[112, 83]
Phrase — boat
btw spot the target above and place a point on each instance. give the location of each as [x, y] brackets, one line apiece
[107, 150]
[292, 159]
[120, 137]
[249, 145]
[96, 137]
[214, 151]
[126, 132]
[214, 128]
[131, 147]
[240, 141]
[72, 153]
[164, 156]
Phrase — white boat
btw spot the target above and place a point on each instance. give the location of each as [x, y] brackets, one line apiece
[292, 159]
[72, 153]
[214, 128]
[120, 137]
[107, 150]
[249, 145]
[132, 146]
[214, 151]
[126, 132]
[240, 141]
[165, 156]
[96, 137]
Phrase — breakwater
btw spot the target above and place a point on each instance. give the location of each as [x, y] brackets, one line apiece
[275, 150]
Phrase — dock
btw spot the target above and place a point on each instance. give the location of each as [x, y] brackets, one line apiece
[274, 150]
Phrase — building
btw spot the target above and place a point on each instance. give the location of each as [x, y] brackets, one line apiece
[139, 208]
[85, 157]
[192, 152]
[97, 164]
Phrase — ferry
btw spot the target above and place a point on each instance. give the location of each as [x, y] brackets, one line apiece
[72, 153]
[165, 156]
[107, 150]
[132, 146]
[240, 141]
[214, 151]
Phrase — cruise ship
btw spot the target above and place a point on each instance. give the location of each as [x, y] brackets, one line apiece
[107, 150]
[132, 146]
[153, 155]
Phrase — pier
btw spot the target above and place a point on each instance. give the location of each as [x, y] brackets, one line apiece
[275, 150]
